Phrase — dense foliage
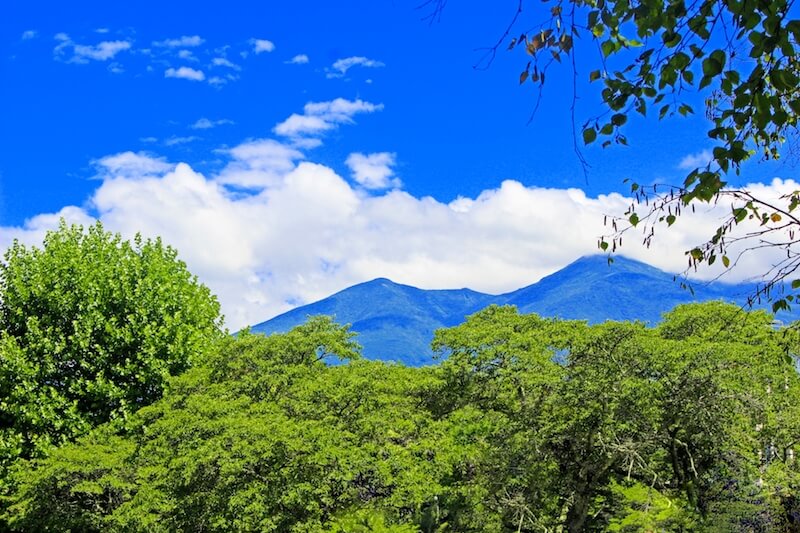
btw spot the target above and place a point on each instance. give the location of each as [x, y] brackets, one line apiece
[91, 326]
[528, 424]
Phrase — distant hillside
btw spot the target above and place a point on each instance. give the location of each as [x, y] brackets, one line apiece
[591, 289]
[396, 322]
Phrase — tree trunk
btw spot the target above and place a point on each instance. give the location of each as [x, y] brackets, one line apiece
[579, 510]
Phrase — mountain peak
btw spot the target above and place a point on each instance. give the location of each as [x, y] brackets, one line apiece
[396, 322]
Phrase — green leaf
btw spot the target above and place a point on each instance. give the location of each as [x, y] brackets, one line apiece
[589, 135]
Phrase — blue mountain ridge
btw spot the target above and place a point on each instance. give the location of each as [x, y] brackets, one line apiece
[396, 322]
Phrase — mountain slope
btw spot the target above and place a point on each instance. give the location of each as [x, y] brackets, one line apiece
[396, 322]
[591, 289]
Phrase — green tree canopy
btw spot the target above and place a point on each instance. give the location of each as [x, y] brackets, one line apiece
[91, 326]
[529, 425]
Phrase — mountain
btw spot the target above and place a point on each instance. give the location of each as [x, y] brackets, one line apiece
[396, 322]
[591, 289]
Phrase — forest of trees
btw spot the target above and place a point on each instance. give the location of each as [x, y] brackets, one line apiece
[125, 408]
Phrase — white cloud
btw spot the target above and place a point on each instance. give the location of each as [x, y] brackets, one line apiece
[101, 30]
[341, 66]
[172, 141]
[222, 62]
[299, 59]
[303, 232]
[187, 55]
[693, 161]
[186, 41]
[29, 34]
[262, 45]
[373, 171]
[186, 73]
[272, 229]
[258, 164]
[132, 164]
[319, 117]
[102, 51]
[81, 53]
[34, 229]
[303, 125]
[206, 124]
[219, 81]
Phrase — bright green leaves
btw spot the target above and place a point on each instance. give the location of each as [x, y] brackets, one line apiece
[100, 324]
[597, 427]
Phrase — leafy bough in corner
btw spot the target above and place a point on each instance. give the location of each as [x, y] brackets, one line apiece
[740, 55]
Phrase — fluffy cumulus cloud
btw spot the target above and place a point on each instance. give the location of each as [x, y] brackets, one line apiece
[302, 231]
[319, 117]
[258, 164]
[341, 66]
[73, 52]
[272, 229]
[29, 34]
[262, 45]
[185, 73]
[373, 171]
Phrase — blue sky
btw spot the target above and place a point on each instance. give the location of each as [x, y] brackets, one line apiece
[261, 104]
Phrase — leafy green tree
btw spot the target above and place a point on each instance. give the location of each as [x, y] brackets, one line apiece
[262, 436]
[529, 424]
[91, 326]
[618, 410]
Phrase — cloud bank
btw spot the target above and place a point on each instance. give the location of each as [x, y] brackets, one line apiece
[273, 229]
